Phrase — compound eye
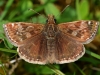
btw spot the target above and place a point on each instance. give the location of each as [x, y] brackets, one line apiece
[46, 21]
[55, 20]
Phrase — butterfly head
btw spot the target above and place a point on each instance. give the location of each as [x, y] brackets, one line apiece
[50, 19]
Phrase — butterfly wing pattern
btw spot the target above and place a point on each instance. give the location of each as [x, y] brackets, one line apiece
[20, 32]
[51, 43]
[82, 31]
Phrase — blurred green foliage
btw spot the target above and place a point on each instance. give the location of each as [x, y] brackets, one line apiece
[18, 11]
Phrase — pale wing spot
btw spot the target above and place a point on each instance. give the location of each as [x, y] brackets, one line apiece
[19, 24]
[28, 35]
[74, 33]
[64, 58]
[20, 39]
[90, 22]
[30, 27]
[69, 58]
[37, 59]
[12, 24]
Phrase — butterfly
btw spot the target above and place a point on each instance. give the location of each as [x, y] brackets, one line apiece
[51, 43]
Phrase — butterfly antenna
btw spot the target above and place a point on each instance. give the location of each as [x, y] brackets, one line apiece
[63, 10]
[35, 12]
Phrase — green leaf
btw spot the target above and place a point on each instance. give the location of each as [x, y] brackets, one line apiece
[90, 60]
[51, 9]
[25, 5]
[8, 50]
[28, 13]
[68, 15]
[9, 3]
[1, 2]
[93, 54]
[82, 9]
[82, 73]
[12, 14]
[37, 69]
[39, 19]
[57, 71]
[43, 69]
[3, 68]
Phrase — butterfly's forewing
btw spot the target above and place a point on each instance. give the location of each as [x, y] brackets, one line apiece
[20, 32]
[68, 51]
[82, 31]
[34, 50]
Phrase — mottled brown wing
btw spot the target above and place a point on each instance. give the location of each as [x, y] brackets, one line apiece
[67, 49]
[20, 32]
[82, 31]
[34, 50]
